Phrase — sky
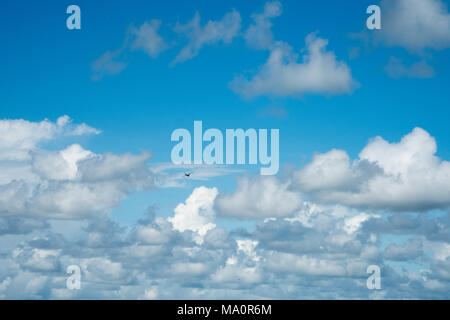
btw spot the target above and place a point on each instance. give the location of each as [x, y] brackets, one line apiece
[87, 178]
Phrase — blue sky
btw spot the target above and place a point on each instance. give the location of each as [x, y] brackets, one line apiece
[390, 87]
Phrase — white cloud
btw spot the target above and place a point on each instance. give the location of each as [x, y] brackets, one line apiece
[305, 265]
[259, 34]
[259, 197]
[70, 183]
[188, 269]
[324, 258]
[238, 274]
[38, 259]
[151, 293]
[405, 176]
[242, 267]
[156, 233]
[353, 224]
[396, 69]
[213, 32]
[415, 24]
[148, 39]
[196, 213]
[319, 73]
[19, 137]
[60, 165]
[103, 269]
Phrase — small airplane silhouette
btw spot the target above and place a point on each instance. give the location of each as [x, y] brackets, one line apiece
[187, 174]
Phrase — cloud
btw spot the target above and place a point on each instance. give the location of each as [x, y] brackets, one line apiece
[196, 214]
[18, 225]
[313, 255]
[403, 176]
[91, 185]
[259, 34]
[146, 38]
[396, 69]
[305, 248]
[169, 175]
[157, 233]
[34, 259]
[108, 64]
[409, 251]
[415, 24]
[282, 75]
[305, 265]
[213, 32]
[258, 197]
[19, 137]
[69, 183]
[433, 229]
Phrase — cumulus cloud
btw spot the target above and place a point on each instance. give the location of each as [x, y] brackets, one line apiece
[70, 191]
[69, 183]
[259, 197]
[213, 32]
[322, 252]
[319, 73]
[396, 69]
[18, 137]
[259, 34]
[415, 24]
[196, 214]
[403, 176]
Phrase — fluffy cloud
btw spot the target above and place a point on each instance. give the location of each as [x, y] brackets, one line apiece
[415, 24]
[259, 197]
[319, 73]
[259, 34]
[303, 249]
[213, 32]
[241, 269]
[396, 69]
[405, 176]
[70, 183]
[196, 214]
[19, 137]
[70, 191]
[312, 255]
